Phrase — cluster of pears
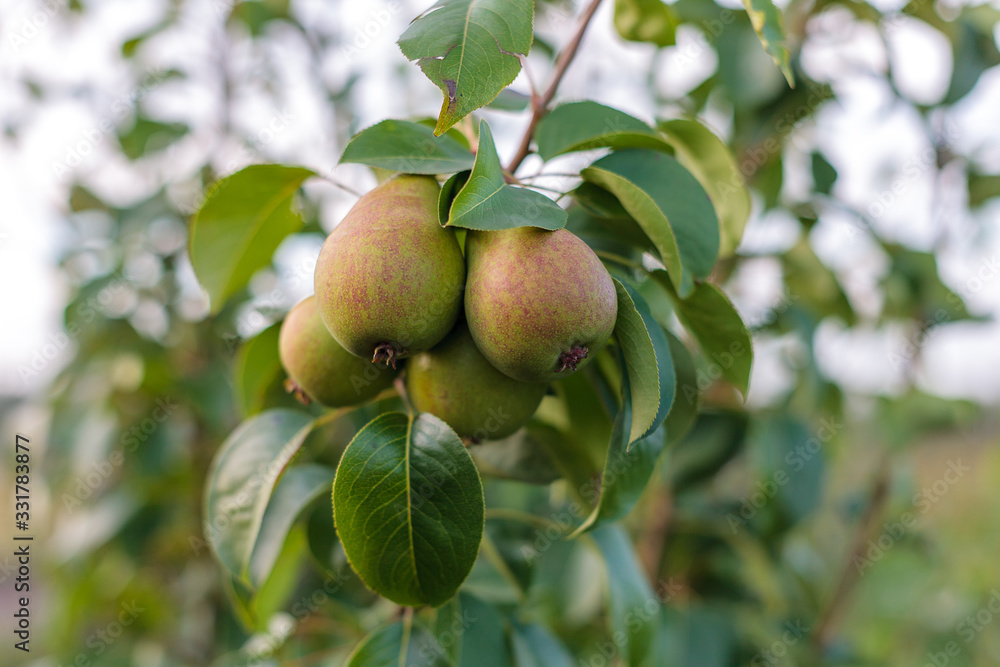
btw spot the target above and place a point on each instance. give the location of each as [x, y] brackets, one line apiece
[391, 284]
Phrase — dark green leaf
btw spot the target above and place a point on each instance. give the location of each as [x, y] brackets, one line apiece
[470, 50]
[670, 206]
[580, 126]
[710, 317]
[708, 158]
[408, 506]
[399, 646]
[633, 607]
[296, 489]
[486, 202]
[242, 479]
[767, 23]
[645, 21]
[240, 225]
[647, 362]
[412, 148]
[449, 189]
[823, 173]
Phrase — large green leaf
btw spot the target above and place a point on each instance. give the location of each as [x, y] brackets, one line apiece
[240, 225]
[709, 315]
[708, 158]
[670, 206]
[647, 362]
[486, 202]
[412, 148]
[645, 21]
[766, 21]
[409, 510]
[580, 126]
[626, 469]
[242, 479]
[633, 607]
[399, 645]
[470, 49]
[296, 489]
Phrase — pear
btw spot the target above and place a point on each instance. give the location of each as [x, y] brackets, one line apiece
[319, 368]
[539, 304]
[389, 279]
[455, 382]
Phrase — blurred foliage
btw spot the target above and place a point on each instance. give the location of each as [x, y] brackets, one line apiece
[872, 551]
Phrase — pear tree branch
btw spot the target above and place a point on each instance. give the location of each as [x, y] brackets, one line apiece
[540, 103]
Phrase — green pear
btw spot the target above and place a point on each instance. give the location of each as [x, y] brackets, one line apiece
[319, 368]
[539, 304]
[455, 382]
[389, 279]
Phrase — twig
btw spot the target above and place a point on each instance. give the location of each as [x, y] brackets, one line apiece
[540, 104]
[826, 624]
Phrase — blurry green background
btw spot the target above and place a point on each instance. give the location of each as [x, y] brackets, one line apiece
[868, 273]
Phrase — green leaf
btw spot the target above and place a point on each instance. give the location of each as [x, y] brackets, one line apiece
[645, 21]
[521, 456]
[633, 607]
[647, 362]
[486, 202]
[470, 49]
[684, 409]
[399, 645]
[713, 441]
[409, 510]
[449, 189]
[983, 187]
[710, 317]
[788, 461]
[823, 173]
[581, 126]
[295, 491]
[240, 225]
[256, 370]
[510, 100]
[626, 469]
[412, 148]
[670, 206]
[708, 158]
[472, 632]
[535, 646]
[148, 136]
[242, 479]
[767, 23]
